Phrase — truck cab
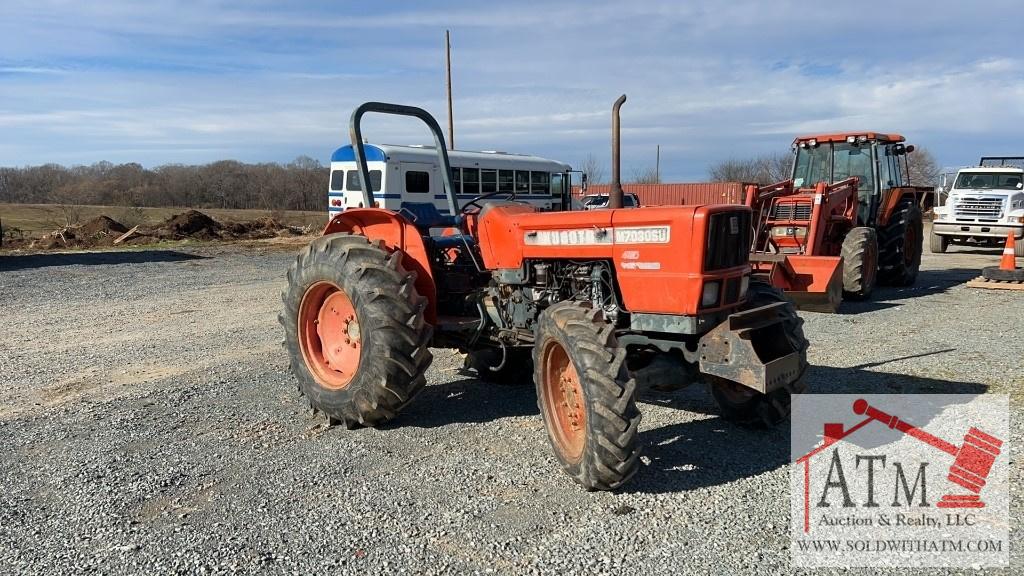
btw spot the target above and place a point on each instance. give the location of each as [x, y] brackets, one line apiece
[984, 205]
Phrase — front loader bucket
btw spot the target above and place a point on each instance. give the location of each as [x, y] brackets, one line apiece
[813, 283]
[751, 348]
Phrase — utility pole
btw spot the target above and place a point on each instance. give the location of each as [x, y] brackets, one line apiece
[657, 164]
[448, 70]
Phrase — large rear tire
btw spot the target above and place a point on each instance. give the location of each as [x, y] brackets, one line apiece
[900, 245]
[860, 263]
[586, 397]
[1018, 247]
[746, 406]
[354, 330]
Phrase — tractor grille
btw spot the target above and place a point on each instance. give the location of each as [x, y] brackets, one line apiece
[979, 209]
[791, 211]
[728, 240]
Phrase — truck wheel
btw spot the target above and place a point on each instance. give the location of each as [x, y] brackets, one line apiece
[938, 244]
[1018, 247]
[900, 245]
[586, 397]
[354, 330]
[744, 405]
[860, 263]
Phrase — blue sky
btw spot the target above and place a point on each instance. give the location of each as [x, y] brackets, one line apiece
[166, 81]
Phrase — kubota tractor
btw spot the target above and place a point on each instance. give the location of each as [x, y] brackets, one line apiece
[589, 295]
[846, 219]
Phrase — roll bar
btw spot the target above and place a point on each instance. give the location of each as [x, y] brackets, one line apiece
[356, 134]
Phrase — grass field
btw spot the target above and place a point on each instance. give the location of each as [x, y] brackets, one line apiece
[34, 220]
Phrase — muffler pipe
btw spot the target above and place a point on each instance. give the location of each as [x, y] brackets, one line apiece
[615, 193]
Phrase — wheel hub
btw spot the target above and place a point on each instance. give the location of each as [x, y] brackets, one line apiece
[570, 401]
[330, 336]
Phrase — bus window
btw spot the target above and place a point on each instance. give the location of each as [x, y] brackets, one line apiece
[506, 179]
[488, 181]
[417, 182]
[471, 181]
[337, 180]
[352, 185]
[522, 182]
[457, 180]
[539, 183]
[556, 184]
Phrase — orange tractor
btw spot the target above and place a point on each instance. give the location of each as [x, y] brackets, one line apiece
[588, 296]
[847, 219]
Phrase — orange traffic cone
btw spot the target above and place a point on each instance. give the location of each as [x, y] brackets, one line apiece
[1008, 262]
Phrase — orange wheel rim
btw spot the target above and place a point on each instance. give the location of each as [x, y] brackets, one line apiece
[564, 403]
[329, 335]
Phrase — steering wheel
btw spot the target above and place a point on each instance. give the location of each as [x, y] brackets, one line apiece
[476, 201]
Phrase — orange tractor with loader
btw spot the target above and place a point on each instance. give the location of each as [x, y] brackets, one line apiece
[588, 296]
[846, 220]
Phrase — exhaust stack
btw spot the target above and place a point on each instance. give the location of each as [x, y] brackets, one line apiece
[615, 193]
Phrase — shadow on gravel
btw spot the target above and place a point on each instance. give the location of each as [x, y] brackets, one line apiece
[713, 451]
[30, 261]
[467, 400]
[929, 282]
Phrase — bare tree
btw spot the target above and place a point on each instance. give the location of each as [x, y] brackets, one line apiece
[647, 175]
[924, 170]
[765, 169]
[593, 168]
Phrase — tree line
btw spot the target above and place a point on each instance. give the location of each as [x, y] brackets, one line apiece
[298, 185]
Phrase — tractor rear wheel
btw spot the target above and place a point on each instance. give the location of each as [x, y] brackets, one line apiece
[938, 244]
[860, 263]
[900, 245]
[586, 397]
[745, 405]
[354, 330]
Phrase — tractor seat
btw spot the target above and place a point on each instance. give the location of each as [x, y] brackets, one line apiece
[424, 215]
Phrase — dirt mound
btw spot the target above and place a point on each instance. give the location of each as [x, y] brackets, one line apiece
[191, 224]
[101, 225]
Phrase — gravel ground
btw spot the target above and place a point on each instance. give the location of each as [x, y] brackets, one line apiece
[148, 424]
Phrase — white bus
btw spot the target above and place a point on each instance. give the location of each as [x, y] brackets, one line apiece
[400, 174]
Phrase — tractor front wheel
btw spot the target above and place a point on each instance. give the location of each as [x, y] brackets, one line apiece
[586, 397]
[860, 263]
[745, 405]
[354, 330]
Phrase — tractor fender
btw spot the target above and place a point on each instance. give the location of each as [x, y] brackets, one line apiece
[923, 196]
[397, 234]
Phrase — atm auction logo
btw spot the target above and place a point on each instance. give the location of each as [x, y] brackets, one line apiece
[917, 480]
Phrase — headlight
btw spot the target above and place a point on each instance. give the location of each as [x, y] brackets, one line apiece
[1017, 219]
[709, 297]
[744, 285]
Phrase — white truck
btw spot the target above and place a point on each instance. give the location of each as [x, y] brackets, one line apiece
[984, 204]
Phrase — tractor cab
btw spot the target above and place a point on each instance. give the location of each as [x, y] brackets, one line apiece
[877, 160]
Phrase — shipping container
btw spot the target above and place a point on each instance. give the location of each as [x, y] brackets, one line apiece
[670, 194]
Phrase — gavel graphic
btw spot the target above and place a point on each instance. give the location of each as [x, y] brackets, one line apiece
[972, 461]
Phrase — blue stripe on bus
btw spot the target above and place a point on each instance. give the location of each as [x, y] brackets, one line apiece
[526, 196]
